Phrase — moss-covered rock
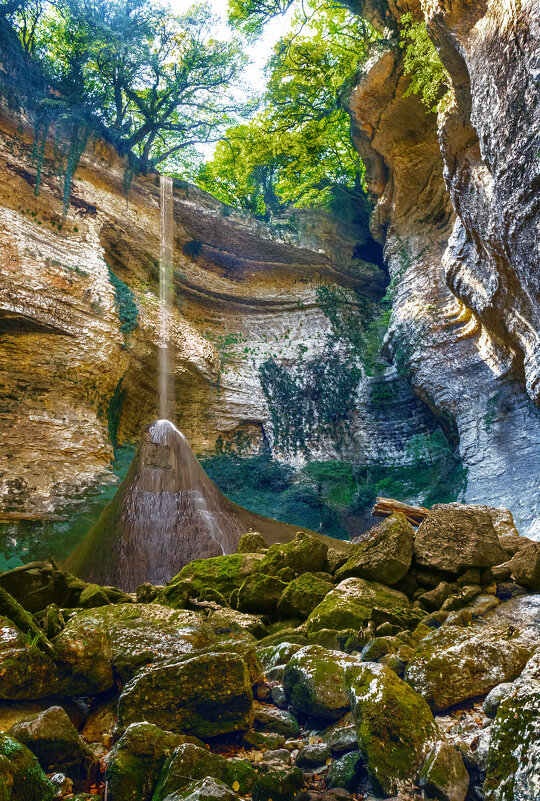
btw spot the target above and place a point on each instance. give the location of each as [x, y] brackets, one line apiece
[305, 553]
[260, 593]
[274, 655]
[241, 646]
[513, 767]
[135, 762]
[204, 695]
[454, 664]
[395, 727]
[54, 740]
[208, 789]
[190, 763]
[301, 596]
[24, 779]
[313, 755]
[221, 573]
[125, 637]
[25, 671]
[349, 605]
[346, 772]
[385, 554]
[314, 681]
[455, 537]
[277, 720]
[252, 542]
[95, 595]
[444, 775]
[278, 785]
[231, 621]
[267, 740]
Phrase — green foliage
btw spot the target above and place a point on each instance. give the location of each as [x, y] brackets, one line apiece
[315, 399]
[154, 83]
[298, 148]
[421, 61]
[114, 412]
[125, 304]
[271, 488]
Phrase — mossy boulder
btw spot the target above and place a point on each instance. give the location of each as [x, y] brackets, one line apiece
[346, 772]
[455, 537]
[454, 663]
[95, 595]
[260, 593]
[314, 681]
[24, 779]
[349, 605]
[125, 637]
[313, 755]
[221, 573]
[241, 646]
[25, 671]
[278, 785]
[305, 553]
[252, 542]
[301, 596]
[54, 740]
[444, 775]
[395, 728]
[385, 554]
[274, 655]
[205, 695]
[231, 621]
[513, 765]
[135, 762]
[190, 763]
[278, 720]
[207, 789]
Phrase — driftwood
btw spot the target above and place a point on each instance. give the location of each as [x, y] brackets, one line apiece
[384, 507]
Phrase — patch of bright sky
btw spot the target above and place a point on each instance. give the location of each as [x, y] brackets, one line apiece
[258, 53]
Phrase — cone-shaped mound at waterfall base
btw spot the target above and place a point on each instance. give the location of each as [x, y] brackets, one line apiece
[166, 513]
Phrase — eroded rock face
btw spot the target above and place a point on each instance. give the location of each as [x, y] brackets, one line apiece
[457, 213]
[246, 292]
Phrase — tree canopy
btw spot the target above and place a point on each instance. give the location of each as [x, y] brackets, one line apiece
[156, 83]
[298, 147]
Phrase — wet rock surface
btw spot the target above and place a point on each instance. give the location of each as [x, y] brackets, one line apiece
[214, 703]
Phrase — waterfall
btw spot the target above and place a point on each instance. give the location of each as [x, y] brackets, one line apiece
[165, 389]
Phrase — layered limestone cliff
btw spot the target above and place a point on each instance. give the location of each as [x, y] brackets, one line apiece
[458, 215]
[78, 314]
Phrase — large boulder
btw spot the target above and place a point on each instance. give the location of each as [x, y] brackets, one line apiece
[385, 555]
[349, 605]
[54, 740]
[190, 762]
[20, 773]
[128, 636]
[305, 553]
[395, 728]
[135, 762]
[260, 593]
[204, 695]
[301, 596]
[525, 566]
[456, 663]
[444, 775]
[513, 768]
[25, 671]
[230, 621]
[455, 537]
[221, 573]
[314, 681]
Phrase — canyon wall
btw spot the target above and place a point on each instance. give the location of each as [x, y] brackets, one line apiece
[78, 314]
[458, 215]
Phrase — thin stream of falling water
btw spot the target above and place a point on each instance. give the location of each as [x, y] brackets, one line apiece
[166, 400]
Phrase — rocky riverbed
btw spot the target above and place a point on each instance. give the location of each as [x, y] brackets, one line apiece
[406, 667]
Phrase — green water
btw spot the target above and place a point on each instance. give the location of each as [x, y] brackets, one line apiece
[29, 540]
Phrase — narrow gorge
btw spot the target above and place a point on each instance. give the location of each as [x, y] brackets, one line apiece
[268, 274]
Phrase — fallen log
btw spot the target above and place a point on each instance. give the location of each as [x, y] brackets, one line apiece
[384, 507]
